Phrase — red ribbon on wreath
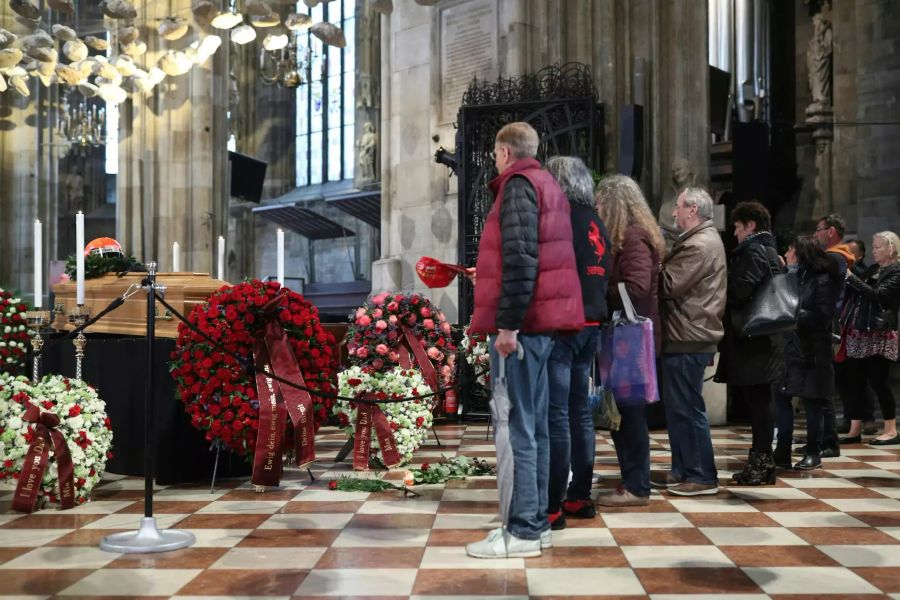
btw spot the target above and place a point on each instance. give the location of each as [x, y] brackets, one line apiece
[369, 419]
[37, 459]
[272, 354]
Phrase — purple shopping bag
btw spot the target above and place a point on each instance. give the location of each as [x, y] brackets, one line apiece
[628, 357]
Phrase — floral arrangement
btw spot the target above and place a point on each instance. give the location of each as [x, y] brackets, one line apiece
[457, 467]
[82, 422]
[376, 333]
[475, 349]
[13, 331]
[217, 392]
[409, 420]
[97, 265]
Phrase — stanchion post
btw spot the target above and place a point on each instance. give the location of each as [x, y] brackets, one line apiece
[36, 320]
[148, 538]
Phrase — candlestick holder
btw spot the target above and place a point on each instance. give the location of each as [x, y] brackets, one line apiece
[36, 320]
[78, 317]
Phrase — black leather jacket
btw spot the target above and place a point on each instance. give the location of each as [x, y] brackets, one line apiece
[875, 301]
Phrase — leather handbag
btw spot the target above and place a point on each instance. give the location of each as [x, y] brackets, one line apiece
[774, 307]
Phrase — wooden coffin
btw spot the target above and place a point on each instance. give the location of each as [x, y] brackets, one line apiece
[183, 292]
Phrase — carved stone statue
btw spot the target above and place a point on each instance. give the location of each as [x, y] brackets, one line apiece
[818, 62]
[367, 146]
[74, 183]
[682, 176]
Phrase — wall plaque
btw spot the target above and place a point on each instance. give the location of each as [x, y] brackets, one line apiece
[468, 50]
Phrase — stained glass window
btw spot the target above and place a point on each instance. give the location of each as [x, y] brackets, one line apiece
[326, 100]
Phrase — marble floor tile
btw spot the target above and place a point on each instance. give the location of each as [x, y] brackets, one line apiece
[244, 582]
[131, 582]
[582, 582]
[462, 521]
[455, 557]
[718, 505]
[62, 557]
[809, 580]
[402, 507]
[645, 520]
[815, 519]
[381, 538]
[752, 536]
[696, 581]
[130, 521]
[865, 504]
[866, 556]
[30, 538]
[269, 558]
[676, 557]
[354, 582]
[260, 507]
[307, 521]
[218, 538]
[777, 556]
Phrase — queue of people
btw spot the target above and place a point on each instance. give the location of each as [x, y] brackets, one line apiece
[553, 253]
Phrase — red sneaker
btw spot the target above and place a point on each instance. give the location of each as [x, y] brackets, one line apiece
[582, 509]
[557, 520]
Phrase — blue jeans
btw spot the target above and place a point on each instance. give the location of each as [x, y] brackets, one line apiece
[527, 384]
[689, 437]
[632, 442]
[572, 438]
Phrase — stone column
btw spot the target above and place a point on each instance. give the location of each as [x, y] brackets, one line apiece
[820, 114]
[172, 183]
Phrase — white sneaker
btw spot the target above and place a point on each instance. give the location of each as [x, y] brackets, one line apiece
[502, 544]
[546, 540]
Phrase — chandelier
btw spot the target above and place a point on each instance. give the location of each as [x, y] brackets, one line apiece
[287, 66]
[81, 123]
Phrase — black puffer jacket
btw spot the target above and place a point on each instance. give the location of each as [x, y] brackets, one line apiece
[873, 303]
[519, 217]
[809, 371]
[753, 360]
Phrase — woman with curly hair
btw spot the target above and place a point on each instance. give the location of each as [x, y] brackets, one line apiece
[637, 250]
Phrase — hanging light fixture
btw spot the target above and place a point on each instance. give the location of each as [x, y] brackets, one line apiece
[282, 63]
[82, 123]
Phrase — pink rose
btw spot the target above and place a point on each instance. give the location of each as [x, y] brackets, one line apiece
[393, 306]
[445, 327]
[445, 371]
[360, 312]
[394, 357]
[426, 312]
[352, 351]
[411, 320]
[379, 299]
[428, 324]
[381, 349]
[377, 313]
[377, 363]
[433, 353]
[380, 325]
[392, 319]
[363, 321]
[362, 353]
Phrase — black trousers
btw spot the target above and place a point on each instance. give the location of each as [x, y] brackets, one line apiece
[873, 371]
[758, 399]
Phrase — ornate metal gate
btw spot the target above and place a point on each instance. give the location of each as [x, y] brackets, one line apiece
[560, 102]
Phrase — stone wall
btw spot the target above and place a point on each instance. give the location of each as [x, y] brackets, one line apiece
[419, 198]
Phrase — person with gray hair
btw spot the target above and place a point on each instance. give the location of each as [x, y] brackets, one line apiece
[572, 441]
[692, 292]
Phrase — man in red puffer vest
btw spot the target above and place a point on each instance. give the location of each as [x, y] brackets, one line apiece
[528, 290]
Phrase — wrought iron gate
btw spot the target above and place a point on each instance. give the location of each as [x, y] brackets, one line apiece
[560, 102]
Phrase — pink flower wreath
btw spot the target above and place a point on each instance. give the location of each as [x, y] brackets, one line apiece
[376, 333]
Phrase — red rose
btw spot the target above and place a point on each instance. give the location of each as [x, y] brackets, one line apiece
[332, 485]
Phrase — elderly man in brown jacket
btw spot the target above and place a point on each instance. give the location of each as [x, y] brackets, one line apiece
[692, 289]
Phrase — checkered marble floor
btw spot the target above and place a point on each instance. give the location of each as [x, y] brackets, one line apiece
[833, 533]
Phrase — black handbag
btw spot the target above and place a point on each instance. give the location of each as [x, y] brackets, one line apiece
[774, 307]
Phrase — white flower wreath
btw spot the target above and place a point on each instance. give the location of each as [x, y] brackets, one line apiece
[83, 424]
[409, 420]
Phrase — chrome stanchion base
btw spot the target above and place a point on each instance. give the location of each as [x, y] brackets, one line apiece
[147, 539]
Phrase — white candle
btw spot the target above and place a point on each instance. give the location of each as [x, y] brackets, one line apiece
[79, 258]
[279, 269]
[38, 265]
[176, 257]
[221, 264]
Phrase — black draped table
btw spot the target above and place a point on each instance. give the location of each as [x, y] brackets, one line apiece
[117, 367]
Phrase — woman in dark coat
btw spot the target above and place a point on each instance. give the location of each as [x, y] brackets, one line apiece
[870, 335]
[751, 365]
[809, 371]
[637, 248]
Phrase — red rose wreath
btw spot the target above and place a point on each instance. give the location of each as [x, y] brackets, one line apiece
[218, 394]
[13, 332]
